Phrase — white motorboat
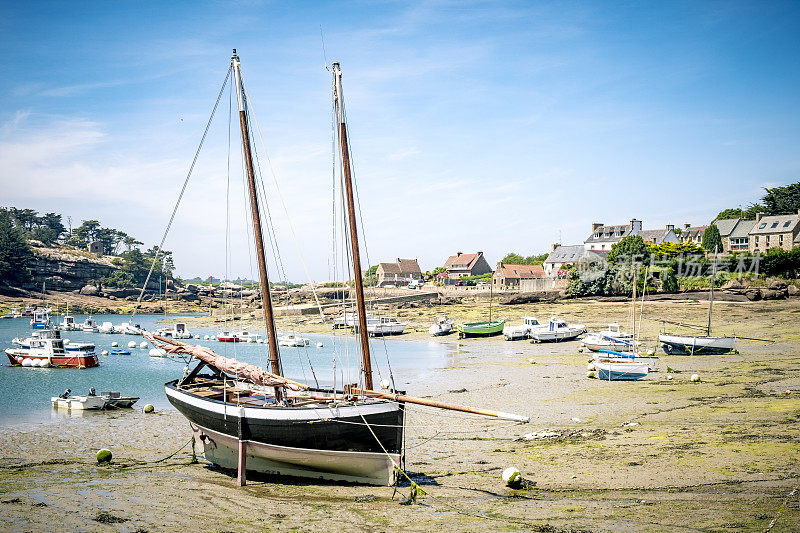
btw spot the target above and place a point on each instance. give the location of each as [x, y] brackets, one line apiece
[178, 331]
[626, 357]
[68, 324]
[512, 332]
[41, 319]
[14, 313]
[348, 320]
[556, 330]
[292, 339]
[78, 402]
[611, 339]
[50, 334]
[48, 350]
[115, 400]
[107, 327]
[89, 325]
[442, 326]
[127, 328]
[385, 325]
[249, 336]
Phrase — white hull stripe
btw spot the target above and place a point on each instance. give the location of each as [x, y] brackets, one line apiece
[282, 413]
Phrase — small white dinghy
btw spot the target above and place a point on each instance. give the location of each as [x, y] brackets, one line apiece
[442, 326]
[611, 339]
[618, 370]
[79, 402]
[556, 330]
[292, 339]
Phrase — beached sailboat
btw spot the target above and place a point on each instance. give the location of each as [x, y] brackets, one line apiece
[674, 344]
[487, 328]
[246, 417]
[442, 326]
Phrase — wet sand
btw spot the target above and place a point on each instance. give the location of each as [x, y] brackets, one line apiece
[656, 455]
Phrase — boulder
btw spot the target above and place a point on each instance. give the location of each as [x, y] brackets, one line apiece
[90, 290]
[753, 295]
[776, 284]
[735, 283]
[792, 290]
[770, 294]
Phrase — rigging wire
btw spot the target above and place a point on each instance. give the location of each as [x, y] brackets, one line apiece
[180, 196]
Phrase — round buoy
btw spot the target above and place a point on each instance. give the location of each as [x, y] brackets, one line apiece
[114, 344]
[385, 384]
[132, 344]
[590, 366]
[26, 362]
[591, 374]
[104, 352]
[580, 350]
[66, 341]
[149, 408]
[206, 337]
[695, 378]
[44, 363]
[512, 477]
[104, 456]
[319, 345]
[143, 345]
[157, 352]
[650, 352]
[532, 361]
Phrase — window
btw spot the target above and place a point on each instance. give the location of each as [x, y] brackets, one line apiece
[756, 240]
[774, 225]
[763, 225]
[780, 239]
[767, 243]
[786, 224]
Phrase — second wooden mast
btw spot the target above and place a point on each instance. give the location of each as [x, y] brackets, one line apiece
[272, 337]
[351, 216]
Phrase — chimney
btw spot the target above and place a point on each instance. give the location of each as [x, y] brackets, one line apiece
[554, 246]
[596, 225]
[670, 227]
[758, 217]
[636, 226]
[687, 226]
[458, 254]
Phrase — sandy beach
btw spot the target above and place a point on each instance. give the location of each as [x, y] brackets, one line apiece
[662, 454]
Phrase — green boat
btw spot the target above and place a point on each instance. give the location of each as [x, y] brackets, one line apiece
[481, 329]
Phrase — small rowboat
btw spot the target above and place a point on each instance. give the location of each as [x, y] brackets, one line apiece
[620, 370]
[481, 329]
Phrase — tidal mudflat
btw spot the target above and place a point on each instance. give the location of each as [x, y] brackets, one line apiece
[655, 455]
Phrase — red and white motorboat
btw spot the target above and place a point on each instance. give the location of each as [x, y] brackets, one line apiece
[229, 336]
[48, 350]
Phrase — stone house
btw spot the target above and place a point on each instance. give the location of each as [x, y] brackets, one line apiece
[562, 257]
[509, 276]
[95, 247]
[401, 272]
[693, 234]
[604, 237]
[776, 231]
[462, 265]
[657, 236]
[735, 234]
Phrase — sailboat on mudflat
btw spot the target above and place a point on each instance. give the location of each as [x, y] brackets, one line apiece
[248, 418]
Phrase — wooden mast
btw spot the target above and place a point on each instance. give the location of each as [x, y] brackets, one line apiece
[351, 213]
[272, 337]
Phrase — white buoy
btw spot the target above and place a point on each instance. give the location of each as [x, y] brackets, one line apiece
[650, 352]
[206, 337]
[590, 366]
[512, 477]
[196, 336]
[26, 362]
[104, 352]
[319, 345]
[114, 344]
[532, 361]
[66, 341]
[132, 344]
[44, 363]
[143, 345]
[385, 384]
[695, 378]
[158, 352]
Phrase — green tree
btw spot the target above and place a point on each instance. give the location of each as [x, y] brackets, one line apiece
[712, 241]
[669, 281]
[752, 210]
[516, 259]
[15, 254]
[629, 249]
[370, 277]
[85, 233]
[782, 200]
[729, 213]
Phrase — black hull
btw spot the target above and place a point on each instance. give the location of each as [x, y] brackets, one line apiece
[677, 348]
[310, 428]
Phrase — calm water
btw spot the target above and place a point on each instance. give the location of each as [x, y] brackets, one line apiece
[26, 392]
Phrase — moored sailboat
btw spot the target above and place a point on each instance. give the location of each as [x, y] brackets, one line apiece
[249, 418]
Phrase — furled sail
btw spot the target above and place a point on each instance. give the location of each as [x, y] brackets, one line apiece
[241, 370]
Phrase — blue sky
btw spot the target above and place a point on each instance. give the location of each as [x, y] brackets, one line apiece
[493, 126]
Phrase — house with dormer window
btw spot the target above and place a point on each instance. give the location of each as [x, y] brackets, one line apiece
[775, 231]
